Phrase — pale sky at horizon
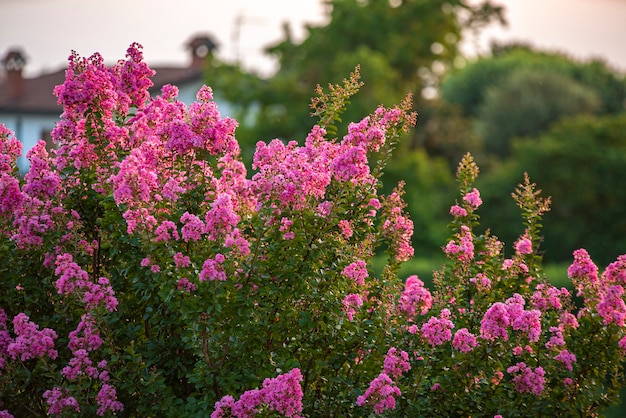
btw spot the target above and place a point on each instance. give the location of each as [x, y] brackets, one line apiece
[47, 30]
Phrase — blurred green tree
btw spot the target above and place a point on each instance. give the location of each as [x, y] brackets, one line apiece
[527, 103]
[400, 45]
[581, 163]
[520, 91]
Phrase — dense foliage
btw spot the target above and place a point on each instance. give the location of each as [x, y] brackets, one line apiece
[146, 274]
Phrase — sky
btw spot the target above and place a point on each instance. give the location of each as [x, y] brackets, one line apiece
[48, 30]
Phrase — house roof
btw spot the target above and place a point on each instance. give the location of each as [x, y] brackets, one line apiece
[37, 96]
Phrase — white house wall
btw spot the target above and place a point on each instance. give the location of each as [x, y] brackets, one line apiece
[28, 129]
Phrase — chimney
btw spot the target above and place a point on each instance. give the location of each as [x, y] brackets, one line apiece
[13, 64]
[201, 48]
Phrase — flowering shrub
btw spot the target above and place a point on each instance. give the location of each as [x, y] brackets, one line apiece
[495, 338]
[146, 274]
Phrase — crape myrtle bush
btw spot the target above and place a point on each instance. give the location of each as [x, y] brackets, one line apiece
[144, 274]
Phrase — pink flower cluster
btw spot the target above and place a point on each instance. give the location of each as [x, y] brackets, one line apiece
[30, 342]
[438, 330]
[463, 249]
[73, 279]
[473, 199]
[398, 227]
[500, 316]
[523, 245]
[527, 380]
[566, 358]
[481, 281]
[584, 274]
[464, 341]
[396, 363]
[381, 394]
[58, 400]
[290, 175]
[415, 298]
[351, 302]
[356, 271]
[548, 297]
[212, 269]
[457, 211]
[282, 394]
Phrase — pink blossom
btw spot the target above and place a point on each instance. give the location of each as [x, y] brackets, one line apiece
[10, 195]
[616, 271]
[457, 211]
[356, 271]
[527, 380]
[524, 245]
[212, 269]
[438, 330]
[30, 342]
[529, 322]
[415, 298]
[566, 358]
[351, 302]
[291, 175]
[473, 198]
[381, 394]
[584, 274]
[463, 248]
[346, 229]
[495, 322]
[41, 181]
[622, 344]
[71, 275]
[165, 231]
[396, 363]
[568, 319]
[181, 261]
[282, 394]
[193, 227]
[611, 306]
[221, 219]
[556, 339]
[397, 227]
[185, 285]
[464, 341]
[350, 165]
[375, 203]
[107, 400]
[548, 297]
[58, 400]
[80, 365]
[86, 336]
[481, 281]
[285, 224]
[224, 407]
[10, 149]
